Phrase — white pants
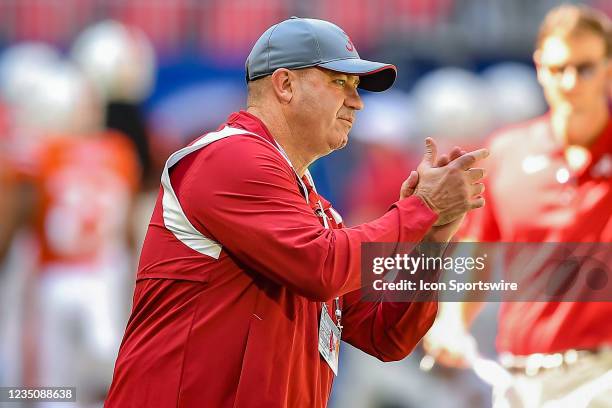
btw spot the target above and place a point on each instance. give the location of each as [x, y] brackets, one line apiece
[15, 272]
[81, 322]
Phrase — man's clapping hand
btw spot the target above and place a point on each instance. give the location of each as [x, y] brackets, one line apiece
[449, 185]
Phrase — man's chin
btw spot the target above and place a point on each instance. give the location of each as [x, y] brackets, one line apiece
[340, 140]
[342, 143]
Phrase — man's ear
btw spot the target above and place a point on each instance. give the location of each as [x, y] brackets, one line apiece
[537, 57]
[283, 84]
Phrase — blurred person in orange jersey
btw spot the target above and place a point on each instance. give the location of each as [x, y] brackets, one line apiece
[119, 60]
[81, 179]
[23, 68]
[549, 180]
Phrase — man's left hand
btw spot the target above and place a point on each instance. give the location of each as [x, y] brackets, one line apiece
[441, 233]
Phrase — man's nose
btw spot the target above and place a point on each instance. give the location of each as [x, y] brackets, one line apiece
[353, 100]
[569, 78]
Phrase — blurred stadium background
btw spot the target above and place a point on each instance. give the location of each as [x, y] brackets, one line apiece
[162, 72]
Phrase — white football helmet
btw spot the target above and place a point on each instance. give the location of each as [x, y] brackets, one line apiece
[387, 119]
[517, 96]
[23, 67]
[67, 103]
[119, 60]
[454, 105]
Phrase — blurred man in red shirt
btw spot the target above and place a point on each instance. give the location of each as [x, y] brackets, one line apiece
[550, 180]
[247, 278]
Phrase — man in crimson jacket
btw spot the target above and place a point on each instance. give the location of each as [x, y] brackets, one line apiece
[247, 277]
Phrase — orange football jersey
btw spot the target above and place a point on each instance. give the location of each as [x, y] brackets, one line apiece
[85, 186]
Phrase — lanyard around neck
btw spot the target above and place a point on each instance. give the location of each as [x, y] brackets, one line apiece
[322, 215]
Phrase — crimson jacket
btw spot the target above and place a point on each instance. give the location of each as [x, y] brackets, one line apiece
[242, 330]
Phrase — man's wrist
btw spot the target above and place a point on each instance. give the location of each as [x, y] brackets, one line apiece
[431, 248]
[427, 202]
[436, 234]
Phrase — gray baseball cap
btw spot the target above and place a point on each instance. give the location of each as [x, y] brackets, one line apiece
[304, 42]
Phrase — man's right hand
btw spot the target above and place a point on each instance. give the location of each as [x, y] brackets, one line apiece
[451, 190]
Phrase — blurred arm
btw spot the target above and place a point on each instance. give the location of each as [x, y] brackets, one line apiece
[17, 204]
[449, 340]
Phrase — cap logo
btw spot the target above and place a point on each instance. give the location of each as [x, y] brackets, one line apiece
[349, 44]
